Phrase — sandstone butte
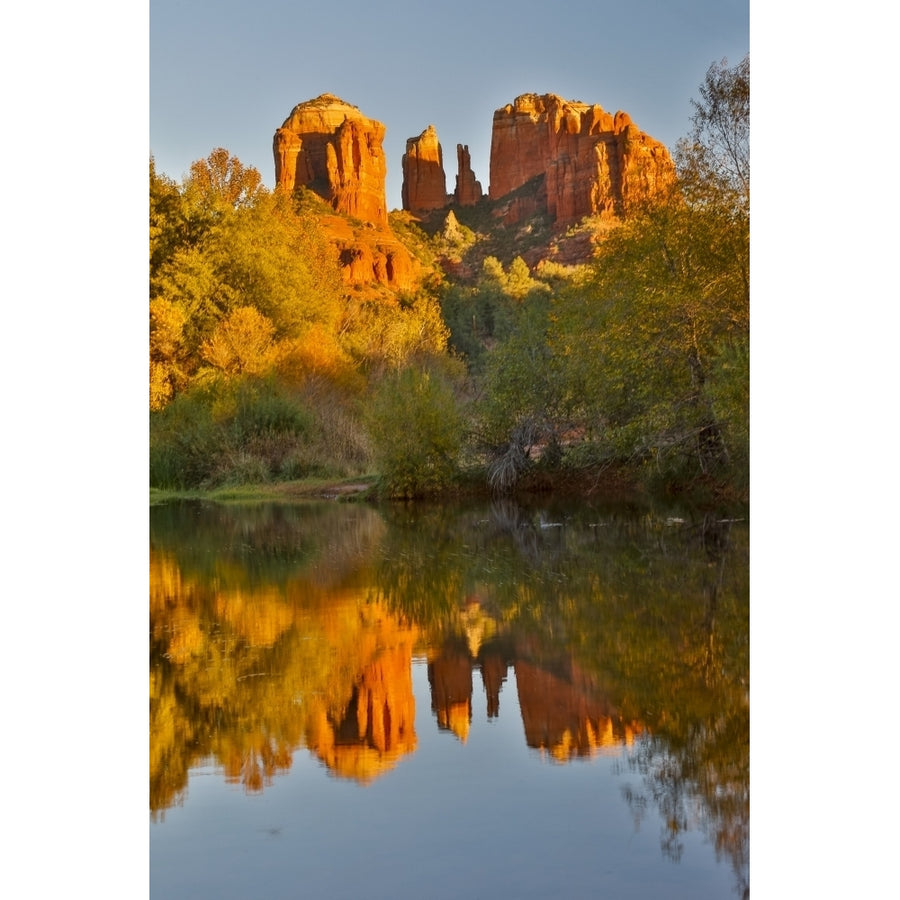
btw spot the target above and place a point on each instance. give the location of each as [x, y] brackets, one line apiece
[550, 156]
[424, 178]
[330, 147]
[468, 191]
[585, 162]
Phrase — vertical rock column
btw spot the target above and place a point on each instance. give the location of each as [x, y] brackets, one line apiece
[424, 180]
[468, 191]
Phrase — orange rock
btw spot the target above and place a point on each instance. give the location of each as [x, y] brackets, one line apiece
[371, 254]
[468, 191]
[582, 160]
[332, 148]
[424, 181]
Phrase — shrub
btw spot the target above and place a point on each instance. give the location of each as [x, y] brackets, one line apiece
[416, 429]
[225, 432]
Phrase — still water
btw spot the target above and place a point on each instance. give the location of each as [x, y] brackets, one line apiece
[495, 701]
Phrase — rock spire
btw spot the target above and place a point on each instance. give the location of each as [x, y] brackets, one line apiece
[424, 181]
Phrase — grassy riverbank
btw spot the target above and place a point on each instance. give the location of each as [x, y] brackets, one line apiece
[281, 492]
[619, 484]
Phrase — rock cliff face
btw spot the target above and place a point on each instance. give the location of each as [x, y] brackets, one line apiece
[424, 181]
[468, 191]
[580, 159]
[332, 148]
[556, 158]
[371, 255]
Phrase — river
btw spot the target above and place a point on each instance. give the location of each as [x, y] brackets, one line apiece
[473, 700]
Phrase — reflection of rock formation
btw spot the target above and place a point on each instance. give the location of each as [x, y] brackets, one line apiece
[378, 724]
[450, 677]
[494, 666]
[564, 712]
[565, 718]
[247, 667]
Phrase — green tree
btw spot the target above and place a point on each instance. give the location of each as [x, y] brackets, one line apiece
[642, 338]
[656, 340]
[481, 316]
[523, 409]
[416, 427]
[715, 159]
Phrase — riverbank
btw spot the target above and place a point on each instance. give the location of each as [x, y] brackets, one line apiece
[308, 489]
[619, 484]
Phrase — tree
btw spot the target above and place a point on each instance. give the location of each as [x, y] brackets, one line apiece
[715, 158]
[522, 412]
[166, 351]
[416, 429]
[656, 341]
[222, 179]
[240, 343]
[220, 243]
[642, 337]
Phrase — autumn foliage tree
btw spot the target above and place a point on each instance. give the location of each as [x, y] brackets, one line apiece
[657, 339]
[241, 343]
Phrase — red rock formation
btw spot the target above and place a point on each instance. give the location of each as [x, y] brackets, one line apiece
[468, 191]
[371, 255]
[332, 148]
[583, 160]
[424, 181]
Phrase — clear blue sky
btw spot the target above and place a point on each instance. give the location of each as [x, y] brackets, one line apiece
[228, 72]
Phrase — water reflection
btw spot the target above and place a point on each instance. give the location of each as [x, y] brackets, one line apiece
[276, 629]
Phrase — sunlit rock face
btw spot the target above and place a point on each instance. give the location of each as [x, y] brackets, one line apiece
[332, 148]
[424, 180]
[583, 161]
[468, 190]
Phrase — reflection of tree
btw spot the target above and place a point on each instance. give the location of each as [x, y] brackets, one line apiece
[695, 767]
[623, 630]
[245, 669]
[618, 625]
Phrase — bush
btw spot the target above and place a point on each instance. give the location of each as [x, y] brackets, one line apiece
[225, 432]
[416, 429]
[184, 441]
